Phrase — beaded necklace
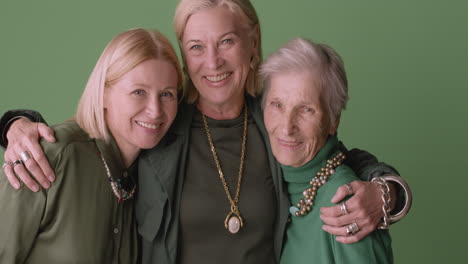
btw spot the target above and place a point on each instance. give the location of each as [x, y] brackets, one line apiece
[305, 204]
[123, 188]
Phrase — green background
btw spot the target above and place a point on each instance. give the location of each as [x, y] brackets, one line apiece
[406, 62]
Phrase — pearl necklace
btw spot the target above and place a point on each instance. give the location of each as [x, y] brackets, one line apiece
[305, 204]
[123, 188]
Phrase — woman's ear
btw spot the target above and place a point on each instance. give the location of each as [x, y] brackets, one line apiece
[256, 38]
[105, 100]
[334, 127]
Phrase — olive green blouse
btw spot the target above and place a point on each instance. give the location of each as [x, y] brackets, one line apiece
[79, 219]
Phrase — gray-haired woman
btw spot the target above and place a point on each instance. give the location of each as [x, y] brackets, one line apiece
[306, 90]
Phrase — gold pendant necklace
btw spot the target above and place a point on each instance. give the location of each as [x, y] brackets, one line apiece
[233, 222]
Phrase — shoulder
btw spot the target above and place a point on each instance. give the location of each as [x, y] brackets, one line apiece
[67, 135]
[343, 174]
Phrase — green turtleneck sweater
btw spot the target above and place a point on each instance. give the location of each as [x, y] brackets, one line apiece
[306, 242]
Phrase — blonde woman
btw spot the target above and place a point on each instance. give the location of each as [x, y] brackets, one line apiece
[87, 215]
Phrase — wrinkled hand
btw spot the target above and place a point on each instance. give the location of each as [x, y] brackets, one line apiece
[364, 208]
[24, 135]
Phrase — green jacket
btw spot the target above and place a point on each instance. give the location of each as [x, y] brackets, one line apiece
[77, 220]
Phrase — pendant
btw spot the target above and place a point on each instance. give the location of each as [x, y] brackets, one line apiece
[233, 222]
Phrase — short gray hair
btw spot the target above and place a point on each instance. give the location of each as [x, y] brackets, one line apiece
[302, 55]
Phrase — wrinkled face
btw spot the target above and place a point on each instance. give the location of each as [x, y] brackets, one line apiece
[295, 118]
[218, 48]
[141, 105]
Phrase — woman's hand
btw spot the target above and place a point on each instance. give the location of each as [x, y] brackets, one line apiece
[364, 208]
[23, 136]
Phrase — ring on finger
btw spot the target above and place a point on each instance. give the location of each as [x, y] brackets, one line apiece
[352, 229]
[349, 188]
[344, 209]
[25, 156]
[17, 162]
[7, 163]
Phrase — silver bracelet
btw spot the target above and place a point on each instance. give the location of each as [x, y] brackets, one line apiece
[408, 195]
[386, 199]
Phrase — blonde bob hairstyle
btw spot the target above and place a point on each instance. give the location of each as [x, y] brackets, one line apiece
[123, 53]
[247, 15]
[302, 55]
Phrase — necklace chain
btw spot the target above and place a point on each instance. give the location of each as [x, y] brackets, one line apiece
[233, 202]
[218, 165]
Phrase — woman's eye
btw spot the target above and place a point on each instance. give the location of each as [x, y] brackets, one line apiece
[309, 110]
[227, 41]
[195, 47]
[139, 92]
[275, 104]
[167, 94]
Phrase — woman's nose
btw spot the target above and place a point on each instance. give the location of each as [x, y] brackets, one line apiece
[214, 58]
[153, 108]
[288, 123]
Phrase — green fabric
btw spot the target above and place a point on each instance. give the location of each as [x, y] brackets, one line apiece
[78, 220]
[306, 241]
[161, 176]
[204, 205]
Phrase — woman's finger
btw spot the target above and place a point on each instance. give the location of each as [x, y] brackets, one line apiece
[344, 191]
[11, 176]
[46, 132]
[43, 173]
[24, 176]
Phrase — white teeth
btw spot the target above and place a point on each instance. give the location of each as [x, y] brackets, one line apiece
[148, 125]
[218, 78]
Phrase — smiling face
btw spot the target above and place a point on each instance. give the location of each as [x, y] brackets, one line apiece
[141, 105]
[217, 49]
[295, 119]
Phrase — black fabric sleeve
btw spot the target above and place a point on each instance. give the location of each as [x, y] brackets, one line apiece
[367, 166]
[8, 117]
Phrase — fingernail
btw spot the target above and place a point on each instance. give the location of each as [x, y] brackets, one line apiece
[51, 178]
[35, 188]
[46, 185]
[16, 185]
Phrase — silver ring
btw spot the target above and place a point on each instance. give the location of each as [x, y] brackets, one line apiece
[350, 188]
[25, 156]
[344, 209]
[7, 163]
[352, 229]
[16, 162]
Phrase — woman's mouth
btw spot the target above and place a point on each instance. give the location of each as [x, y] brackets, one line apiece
[148, 125]
[218, 78]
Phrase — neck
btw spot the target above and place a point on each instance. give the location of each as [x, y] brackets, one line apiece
[224, 111]
[129, 158]
[128, 153]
